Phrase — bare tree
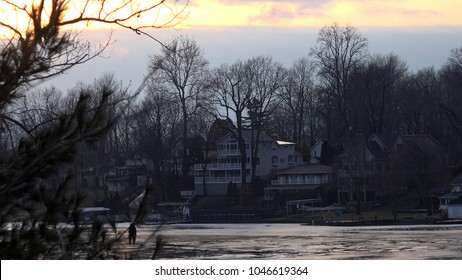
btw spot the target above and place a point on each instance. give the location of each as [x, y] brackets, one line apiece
[158, 126]
[376, 87]
[232, 88]
[340, 49]
[418, 93]
[451, 98]
[299, 103]
[37, 47]
[184, 69]
[266, 79]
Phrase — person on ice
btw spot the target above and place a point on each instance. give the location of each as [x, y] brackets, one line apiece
[131, 234]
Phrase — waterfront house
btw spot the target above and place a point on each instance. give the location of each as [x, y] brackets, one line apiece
[455, 209]
[377, 166]
[226, 167]
[126, 176]
[304, 180]
[455, 192]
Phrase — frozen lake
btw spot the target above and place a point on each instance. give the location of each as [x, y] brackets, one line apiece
[295, 241]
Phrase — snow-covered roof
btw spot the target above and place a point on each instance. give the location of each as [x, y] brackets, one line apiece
[285, 143]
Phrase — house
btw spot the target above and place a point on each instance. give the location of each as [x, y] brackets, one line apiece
[304, 179]
[129, 175]
[382, 164]
[428, 149]
[455, 209]
[456, 184]
[316, 151]
[364, 171]
[455, 193]
[326, 151]
[226, 167]
[387, 142]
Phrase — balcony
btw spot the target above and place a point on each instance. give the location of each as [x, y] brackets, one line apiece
[223, 179]
[218, 166]
[315, 181]
[229, 152]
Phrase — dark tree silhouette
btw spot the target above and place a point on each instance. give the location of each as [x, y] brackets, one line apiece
[36, 48]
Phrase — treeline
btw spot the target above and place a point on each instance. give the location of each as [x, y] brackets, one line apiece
[339, 90]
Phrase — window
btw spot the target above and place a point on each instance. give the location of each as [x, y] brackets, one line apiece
[231, 144]
[274, 160]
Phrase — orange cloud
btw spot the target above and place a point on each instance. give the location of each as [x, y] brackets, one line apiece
[285, 13]
[293, 13]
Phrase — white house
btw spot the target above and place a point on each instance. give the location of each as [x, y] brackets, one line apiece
[456, 192]
[304, 178]
[272, 155]
[455, 209]
[456, 184]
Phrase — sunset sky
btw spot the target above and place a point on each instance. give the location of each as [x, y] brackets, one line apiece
[316, 13]
[421, 32]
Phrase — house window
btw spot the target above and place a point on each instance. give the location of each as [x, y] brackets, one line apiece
[274, 160]
[231, 144]
[291, 158]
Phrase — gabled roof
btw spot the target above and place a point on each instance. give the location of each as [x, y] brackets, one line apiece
[452, 195]
[247, 133]
[387, 139]
[424, 142]
[285, 143]
[457, 180]
[375, 150]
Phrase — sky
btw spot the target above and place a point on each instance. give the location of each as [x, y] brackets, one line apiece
[421, 32]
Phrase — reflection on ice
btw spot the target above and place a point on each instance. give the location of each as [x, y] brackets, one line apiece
[294, 241]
